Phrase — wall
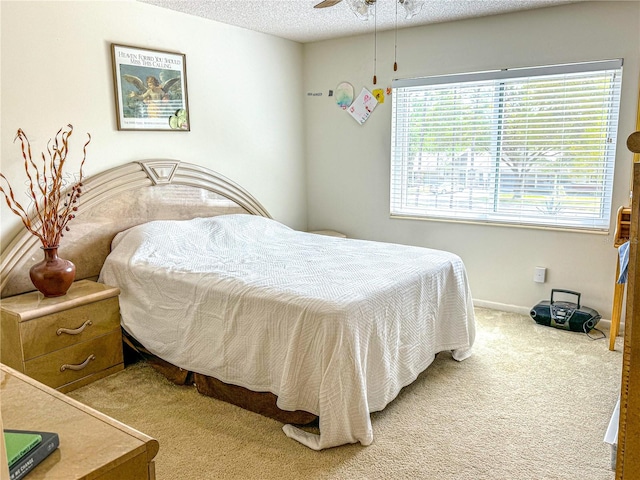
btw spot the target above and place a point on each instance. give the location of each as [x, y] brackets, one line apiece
[348, 164]
[252, 120]
[245, 96]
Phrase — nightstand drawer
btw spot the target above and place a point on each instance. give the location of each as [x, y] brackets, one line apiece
[75, 362]
[70, 327]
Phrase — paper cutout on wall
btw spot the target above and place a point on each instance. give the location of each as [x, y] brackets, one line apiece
[379, 94]
[362, 106]
[344, 95]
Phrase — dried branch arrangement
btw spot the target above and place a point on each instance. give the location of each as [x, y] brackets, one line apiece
[54, 199]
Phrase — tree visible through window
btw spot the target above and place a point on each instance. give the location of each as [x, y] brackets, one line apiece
[531, 146]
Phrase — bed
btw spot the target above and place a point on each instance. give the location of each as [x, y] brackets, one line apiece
[213, 287]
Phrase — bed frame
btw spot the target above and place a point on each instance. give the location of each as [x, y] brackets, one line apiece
[130, 195]
[120, 198]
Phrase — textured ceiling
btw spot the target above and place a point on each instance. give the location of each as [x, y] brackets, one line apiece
[298, 20]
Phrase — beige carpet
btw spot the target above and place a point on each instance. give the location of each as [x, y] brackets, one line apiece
[531, 403]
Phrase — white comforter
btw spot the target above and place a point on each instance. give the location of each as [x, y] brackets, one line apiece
[332, 326]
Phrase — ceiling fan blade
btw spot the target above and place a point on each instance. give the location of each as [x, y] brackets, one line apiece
[327, 3]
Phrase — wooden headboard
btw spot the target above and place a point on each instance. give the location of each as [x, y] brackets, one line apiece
[120, 198]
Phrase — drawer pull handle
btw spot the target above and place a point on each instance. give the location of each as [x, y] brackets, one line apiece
[78, 367]
[76, 331]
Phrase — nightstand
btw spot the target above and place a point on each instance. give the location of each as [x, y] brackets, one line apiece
[329, 233]
[64, 342]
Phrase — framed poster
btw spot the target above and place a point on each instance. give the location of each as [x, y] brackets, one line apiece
[150, 89]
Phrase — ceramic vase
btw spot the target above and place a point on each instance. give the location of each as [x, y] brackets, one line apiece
[54, 275]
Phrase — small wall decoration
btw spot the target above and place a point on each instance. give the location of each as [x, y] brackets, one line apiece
[379, 94]
[362, 106]
[344, 95]
[150, 89]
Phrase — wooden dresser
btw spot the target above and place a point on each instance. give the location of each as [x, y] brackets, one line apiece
[628, 452]
[64, 342]
[92, 445]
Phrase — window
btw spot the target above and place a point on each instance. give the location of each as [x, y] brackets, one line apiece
[530, 146]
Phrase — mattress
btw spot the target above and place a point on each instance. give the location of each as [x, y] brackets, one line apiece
[331, 326]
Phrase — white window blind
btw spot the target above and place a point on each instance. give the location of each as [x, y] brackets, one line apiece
[531, 146]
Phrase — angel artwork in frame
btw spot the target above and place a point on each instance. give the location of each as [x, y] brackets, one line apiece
[150, 89]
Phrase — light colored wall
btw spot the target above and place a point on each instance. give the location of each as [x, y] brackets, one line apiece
[245, 96]
[252, 120]
[348, 164]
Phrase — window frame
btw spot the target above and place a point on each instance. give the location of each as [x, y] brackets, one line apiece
[596, 224]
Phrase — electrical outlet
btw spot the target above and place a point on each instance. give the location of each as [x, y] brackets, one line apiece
[539, 274]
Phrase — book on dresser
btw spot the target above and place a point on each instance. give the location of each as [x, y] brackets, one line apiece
[18, 444]
[25, 461]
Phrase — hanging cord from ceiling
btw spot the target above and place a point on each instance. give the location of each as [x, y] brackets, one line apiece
[375, 42]
[395, 43]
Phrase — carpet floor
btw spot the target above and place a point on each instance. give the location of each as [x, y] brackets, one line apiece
[532, 403]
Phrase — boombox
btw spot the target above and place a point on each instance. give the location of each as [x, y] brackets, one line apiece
[565, 315]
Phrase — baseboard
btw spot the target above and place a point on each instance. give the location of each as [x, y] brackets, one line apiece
[505, 307]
